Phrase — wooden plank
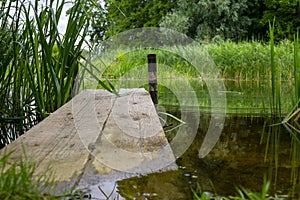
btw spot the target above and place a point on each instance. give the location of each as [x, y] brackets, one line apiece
[133, 139]
[98, 136]
[55, 141]
[132, 143]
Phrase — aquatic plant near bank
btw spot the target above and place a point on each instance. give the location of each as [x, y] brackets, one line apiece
[291, 119]
[297, 66]
[238, 61]
[275, 76]
[19, 181]
[242, 194]
[38, 65]
[265, 64]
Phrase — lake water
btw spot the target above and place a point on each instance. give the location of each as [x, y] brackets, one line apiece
[242, 157]
[248, 149]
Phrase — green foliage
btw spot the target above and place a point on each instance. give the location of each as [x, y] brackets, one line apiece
[18, 182]
[243, 61]
[275, 75]
[247, 194]
[206, 19]
[239, 61]
[297, 66]
[38, 66]
[287, 14]
[199, 194]
[125, 65]
[125, 15]
[242, 194]
[256, 9]
[202, 19]
[234, 19]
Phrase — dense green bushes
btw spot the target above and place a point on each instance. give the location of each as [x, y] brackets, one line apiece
[200, 19]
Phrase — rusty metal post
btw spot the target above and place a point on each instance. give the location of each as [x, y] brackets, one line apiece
[152, 78]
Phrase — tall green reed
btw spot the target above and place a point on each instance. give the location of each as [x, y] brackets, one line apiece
[38, 65]
[297, 67]
[12, 78]
[296, 100]
[237, 61]
[53, 76]
[275, 75]
[246, 60]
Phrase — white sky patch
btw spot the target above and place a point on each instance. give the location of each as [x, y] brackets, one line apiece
[63, 20]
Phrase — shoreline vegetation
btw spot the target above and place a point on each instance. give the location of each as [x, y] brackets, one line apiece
[39, 66]
[266, 63]
[235, 61]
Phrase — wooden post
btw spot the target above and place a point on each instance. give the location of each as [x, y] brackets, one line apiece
[152, 78]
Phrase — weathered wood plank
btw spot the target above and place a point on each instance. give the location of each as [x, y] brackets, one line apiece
[133, 139]
[98, 136]
[56, 142]
[132, 143]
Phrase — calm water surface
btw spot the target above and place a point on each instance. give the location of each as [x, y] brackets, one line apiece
[248, 149]
[240, 158]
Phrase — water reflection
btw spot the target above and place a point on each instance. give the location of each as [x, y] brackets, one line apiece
[250, 98]
[240, 158]
[248, 149]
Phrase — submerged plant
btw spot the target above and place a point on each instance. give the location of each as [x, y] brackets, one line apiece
[199, 194]
[247, 194]
[242, 194]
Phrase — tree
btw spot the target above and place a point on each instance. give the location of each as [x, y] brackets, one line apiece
[205, 19]
[118, 16]
[286, 14]
[255, 12]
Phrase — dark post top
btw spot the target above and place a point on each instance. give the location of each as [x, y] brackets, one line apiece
[152, 78]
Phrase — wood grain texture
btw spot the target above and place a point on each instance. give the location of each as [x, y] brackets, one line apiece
[97, 133]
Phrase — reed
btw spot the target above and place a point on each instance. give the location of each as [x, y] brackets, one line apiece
[297, 67]
[242, 194]
[39, 66]
[238, 61]
[252, 97]
[294, 111]
[53, 76]
[275, 75]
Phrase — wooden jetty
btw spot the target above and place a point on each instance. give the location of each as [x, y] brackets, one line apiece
[97, 138]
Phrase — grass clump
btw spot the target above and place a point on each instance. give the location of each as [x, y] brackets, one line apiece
[242, 194]
[17, 181]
